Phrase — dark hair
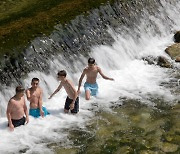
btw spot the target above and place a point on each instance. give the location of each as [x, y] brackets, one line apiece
[19, 89]
[91, 61]
[35, 79]
[62, 73]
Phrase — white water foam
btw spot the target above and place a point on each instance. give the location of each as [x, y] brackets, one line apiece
[134, 78]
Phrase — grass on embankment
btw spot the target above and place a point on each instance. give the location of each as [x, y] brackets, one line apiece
[23, 20]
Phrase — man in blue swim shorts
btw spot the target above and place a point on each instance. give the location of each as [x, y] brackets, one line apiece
[93, 88]
[91, 72]
[34, 95]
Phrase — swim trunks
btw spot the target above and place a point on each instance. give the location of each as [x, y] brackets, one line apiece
[36, 112]
[93, 88]
[76, 105]
[18, 122]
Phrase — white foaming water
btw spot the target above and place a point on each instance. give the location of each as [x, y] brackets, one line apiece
[134, 78]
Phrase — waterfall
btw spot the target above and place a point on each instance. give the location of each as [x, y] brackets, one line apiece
[118, 36]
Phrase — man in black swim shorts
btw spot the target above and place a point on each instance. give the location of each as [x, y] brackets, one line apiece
[18, 122]
[68, 103]
[72, 100]
[16, 109]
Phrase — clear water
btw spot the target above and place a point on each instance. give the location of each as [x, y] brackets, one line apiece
[131, 114]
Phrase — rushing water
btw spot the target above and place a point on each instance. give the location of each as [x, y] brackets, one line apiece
[136, 113]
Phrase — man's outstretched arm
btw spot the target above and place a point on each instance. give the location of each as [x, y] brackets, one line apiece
[104, 76]
[58, 88]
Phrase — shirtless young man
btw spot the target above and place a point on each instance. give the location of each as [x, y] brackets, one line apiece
[72, 100]
[34, 95]
[91, 72]
[16, 109]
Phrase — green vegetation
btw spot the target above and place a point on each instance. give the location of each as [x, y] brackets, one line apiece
[23, 20]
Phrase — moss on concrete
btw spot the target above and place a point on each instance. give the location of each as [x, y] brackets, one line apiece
[23, 20]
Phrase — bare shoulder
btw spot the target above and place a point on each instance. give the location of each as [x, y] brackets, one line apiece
[40, 89]
[28, 90]
[70, 82]
[98, 68]
[11, 101]
[86, 69]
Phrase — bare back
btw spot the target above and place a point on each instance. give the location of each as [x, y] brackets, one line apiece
[16, 108]
[34, 96]
[69, 87]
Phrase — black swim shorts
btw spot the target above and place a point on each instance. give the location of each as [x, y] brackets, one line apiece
[76, 105]
[19, 122]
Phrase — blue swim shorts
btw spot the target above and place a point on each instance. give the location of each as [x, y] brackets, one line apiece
[36, 112]
[93, 88]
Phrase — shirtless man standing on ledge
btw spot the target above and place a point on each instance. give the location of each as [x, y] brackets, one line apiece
[16, 109]
[34, 95]
[91, 72]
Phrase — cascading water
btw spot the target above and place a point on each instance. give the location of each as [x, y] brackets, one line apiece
[118, 48]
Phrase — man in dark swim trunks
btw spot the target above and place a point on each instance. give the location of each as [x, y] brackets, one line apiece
[16, 109]
[72, 100]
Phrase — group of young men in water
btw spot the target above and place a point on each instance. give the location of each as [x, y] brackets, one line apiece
[17, 108]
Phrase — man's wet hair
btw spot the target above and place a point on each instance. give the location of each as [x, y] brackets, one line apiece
[19, 89]
[35, 79]
[91, 61]
[62, 73]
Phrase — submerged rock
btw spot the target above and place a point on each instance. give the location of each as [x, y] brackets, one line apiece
[177, 37]
[163, 62]
[168, 147]
[150, 152]
[174, 51]
[177, 59]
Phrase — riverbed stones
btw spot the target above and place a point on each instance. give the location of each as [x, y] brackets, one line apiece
[174, 50]
[150, 152]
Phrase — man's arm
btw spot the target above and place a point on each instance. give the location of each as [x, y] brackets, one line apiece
[80, 80]
[26, 112]
[58, 88]
[104, 76]
[8, 113]
[28, 94]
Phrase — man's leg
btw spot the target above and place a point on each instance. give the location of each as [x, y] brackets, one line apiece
[76, 106]
[66, 111]
[87, 94]
[67, 104]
